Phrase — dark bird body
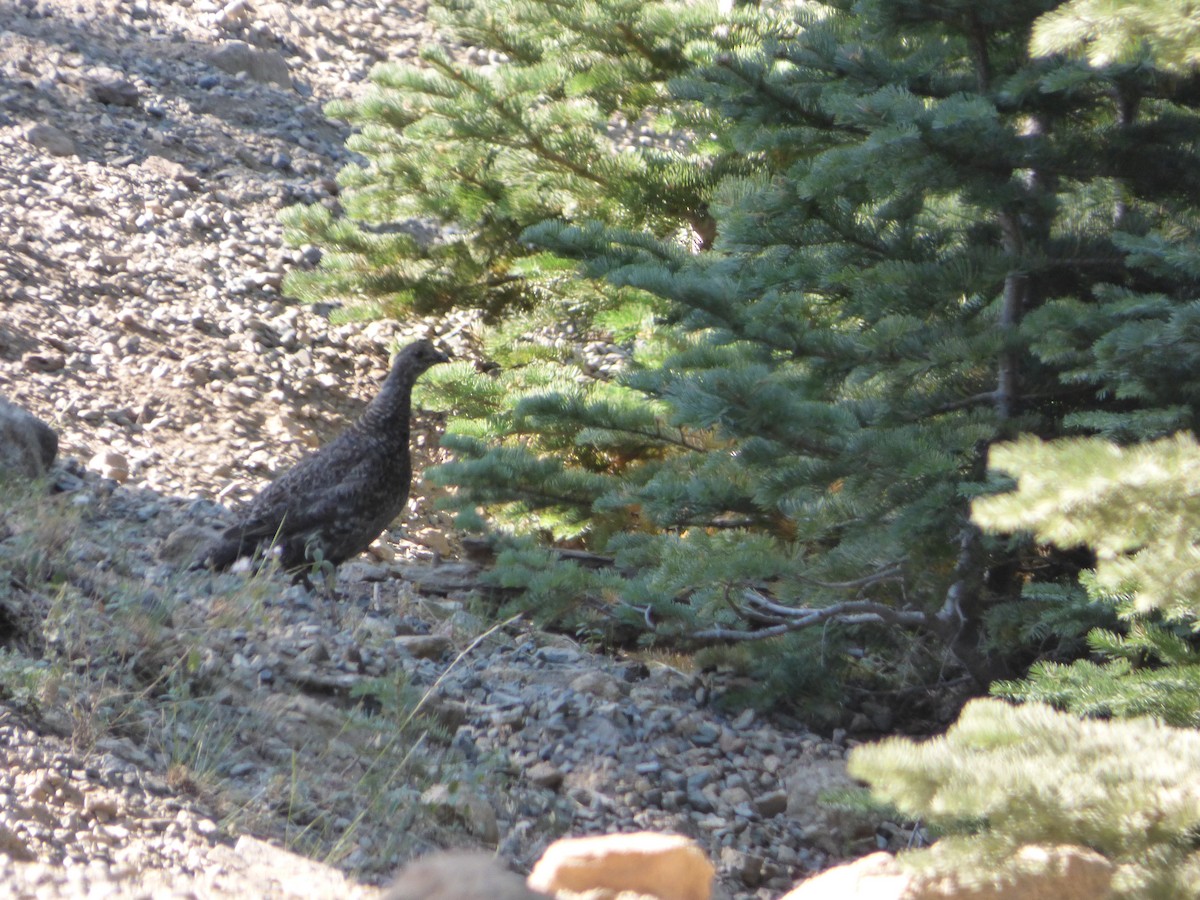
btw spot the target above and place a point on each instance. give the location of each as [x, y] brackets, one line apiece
[330, 506]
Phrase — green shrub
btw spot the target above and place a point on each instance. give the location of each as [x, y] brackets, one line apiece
[1004, 777]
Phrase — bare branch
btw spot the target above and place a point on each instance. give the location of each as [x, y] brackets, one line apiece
[757, 600]
[761, 614]
[852, 612]
[584, 558]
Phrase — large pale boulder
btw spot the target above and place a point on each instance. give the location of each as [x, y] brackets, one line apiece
[259, 869]
[1062, 872]
[27, 444]
[668, 867]
[874, 877]
[1035, 873]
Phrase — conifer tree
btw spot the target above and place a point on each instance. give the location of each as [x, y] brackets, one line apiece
[920, 240]
[947, 242]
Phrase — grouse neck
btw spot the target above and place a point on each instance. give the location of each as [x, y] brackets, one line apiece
[392, 406]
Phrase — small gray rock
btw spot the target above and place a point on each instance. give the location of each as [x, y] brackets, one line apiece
[114, 91]
[458, 876]
[424, 646]
[772, 804]
[185, 544]
[546, 775]
[53, 140]
[43, 362]
[267, 66]
[12, 845]
[598, 684]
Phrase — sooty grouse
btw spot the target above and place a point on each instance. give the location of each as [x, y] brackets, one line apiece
[331, 505]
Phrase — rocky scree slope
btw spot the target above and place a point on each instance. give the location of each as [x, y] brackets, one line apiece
[147, 717]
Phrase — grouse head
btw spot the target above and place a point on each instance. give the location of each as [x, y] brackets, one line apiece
[417, 357]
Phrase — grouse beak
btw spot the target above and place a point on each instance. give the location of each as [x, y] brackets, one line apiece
[440, 356]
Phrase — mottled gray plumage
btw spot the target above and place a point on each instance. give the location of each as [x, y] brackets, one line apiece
[331, 505]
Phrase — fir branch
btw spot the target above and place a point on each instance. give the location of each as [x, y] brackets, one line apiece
[633, 40]
[658, 435]
[808, 115]
[533, 140]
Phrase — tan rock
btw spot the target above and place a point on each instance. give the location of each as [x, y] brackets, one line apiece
[668, 867]
[110, 464]
[436, 541]
[458, 876]
[381, 551]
